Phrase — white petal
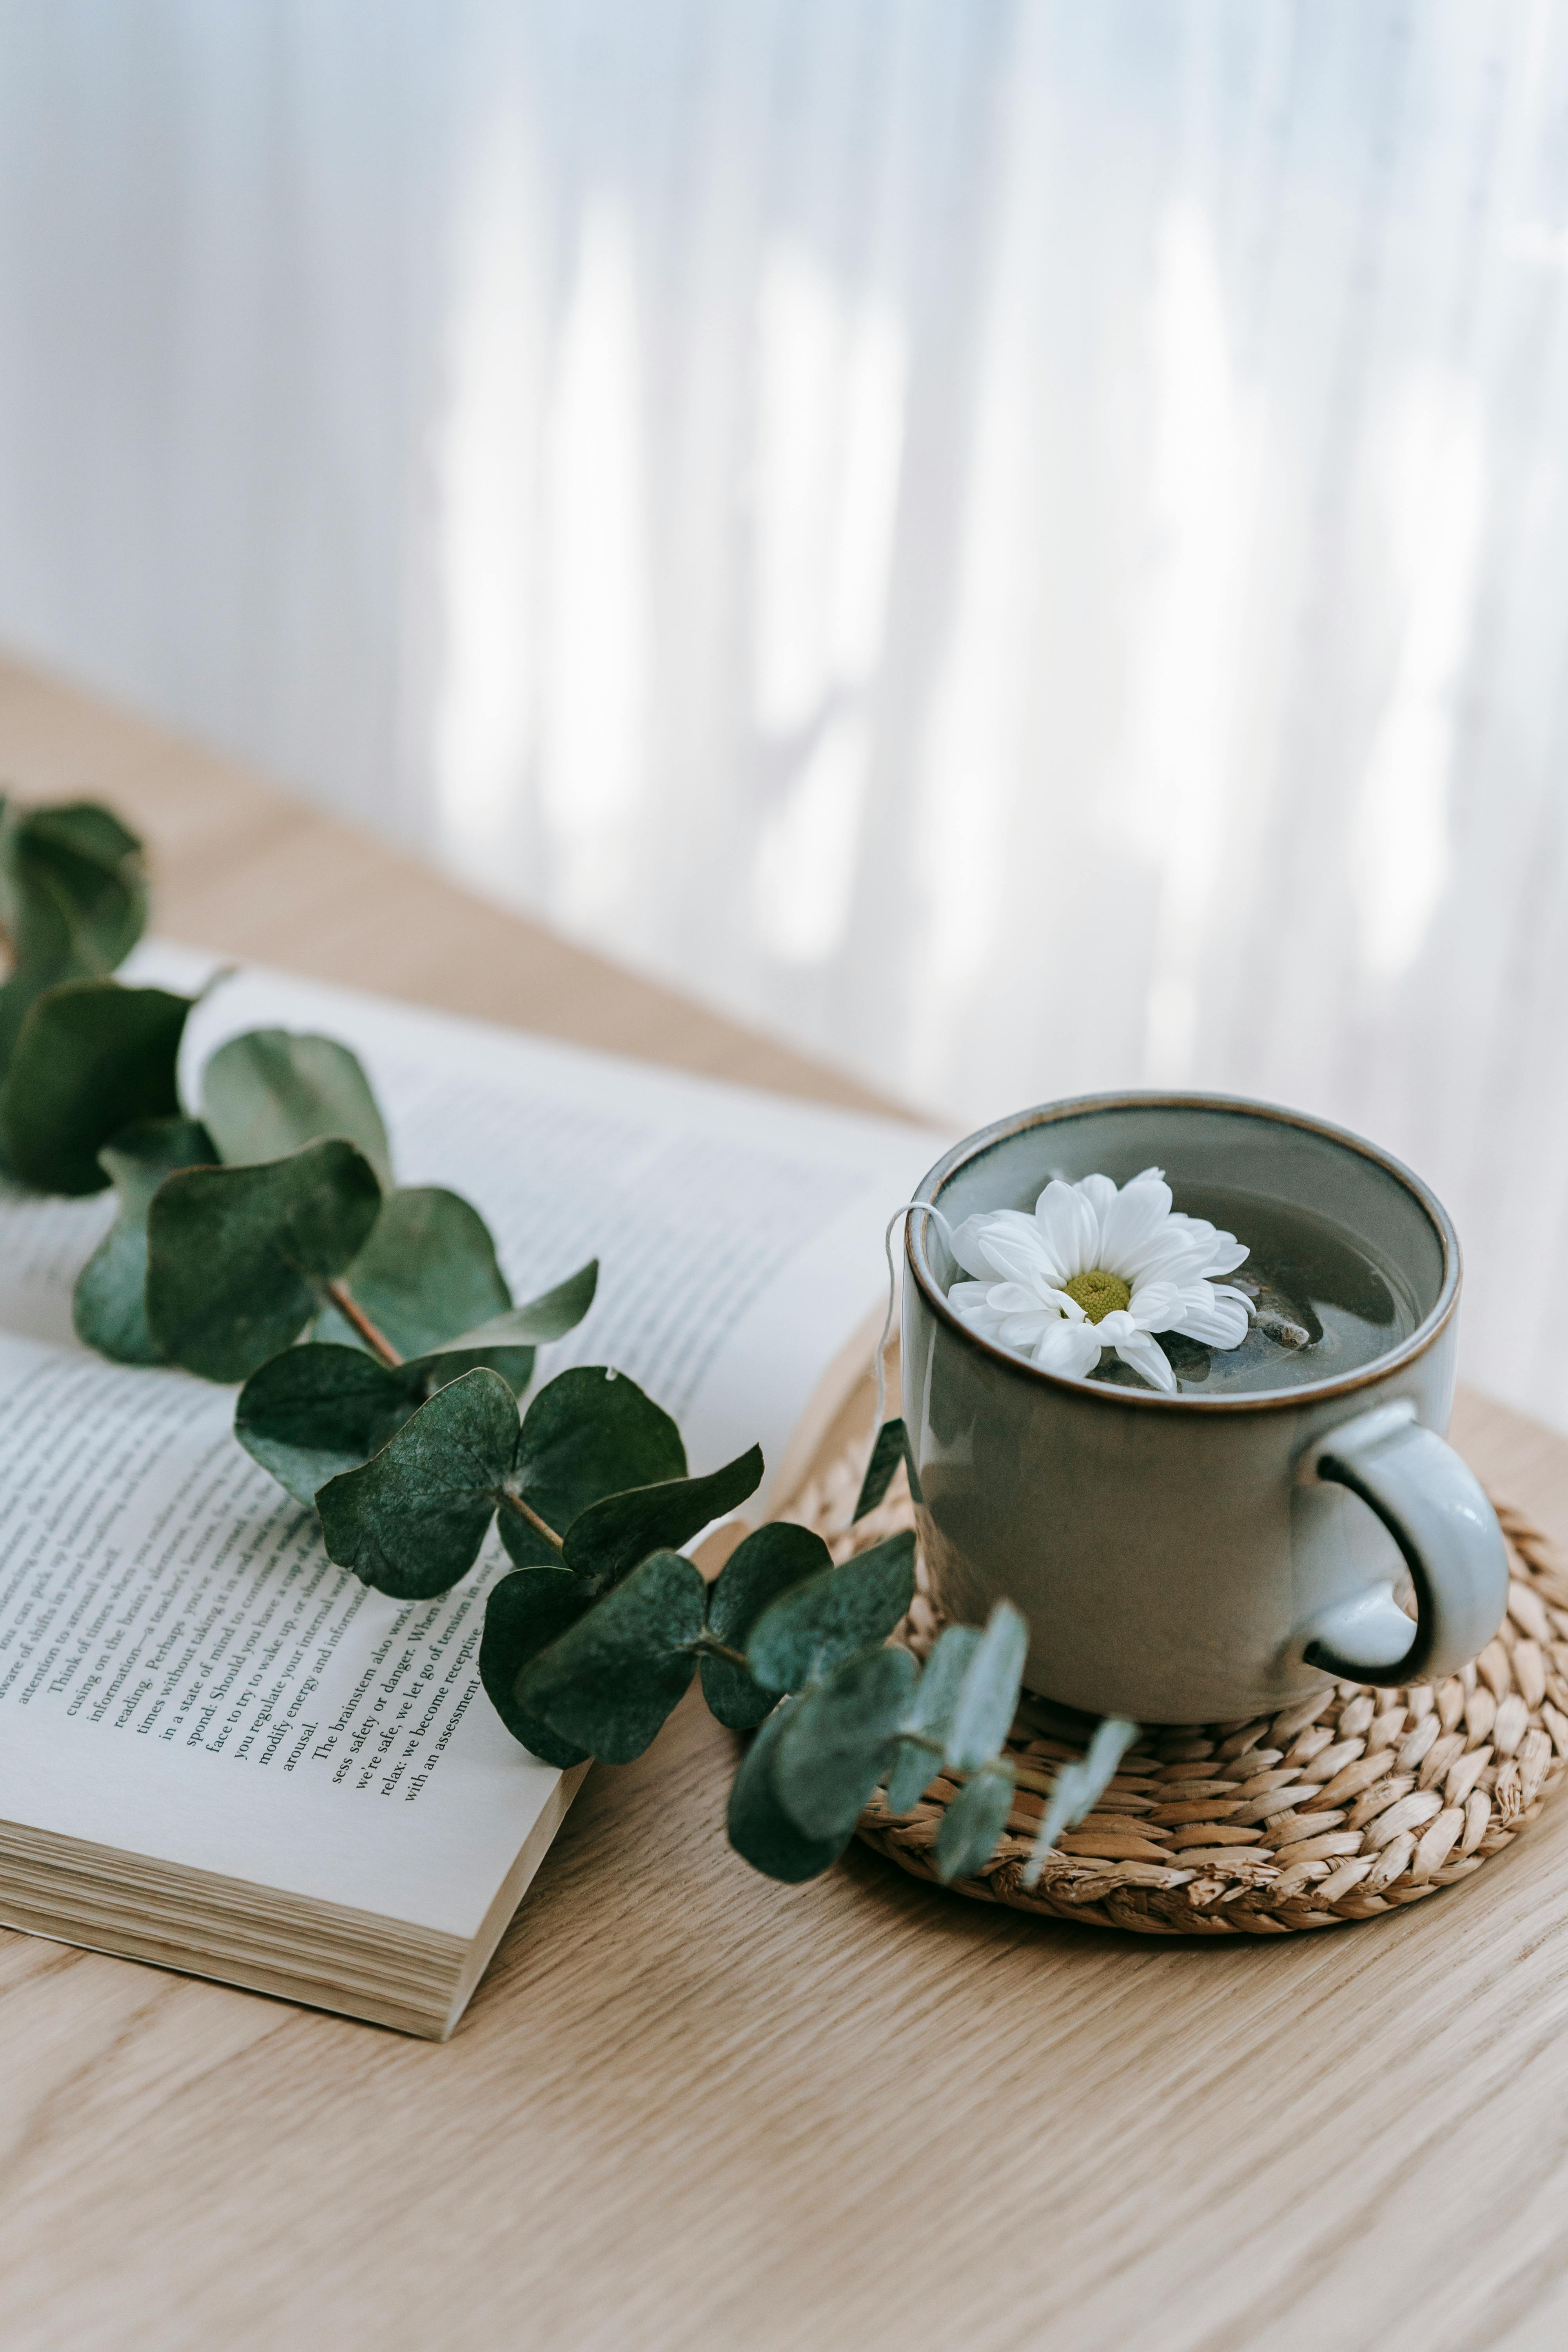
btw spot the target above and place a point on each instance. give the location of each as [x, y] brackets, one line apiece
[1218, 1317]
[967, 1240]
[1013, 1298]
[1070, 1228]
[1070, 1349]
[1227, 1254]
[1016, 1257]
[1147, 1357]
[1099, 1192]
[1023, 1330]
[1130, 1224]
[1155, 1306]
[1116, 1326]
[972, 1309]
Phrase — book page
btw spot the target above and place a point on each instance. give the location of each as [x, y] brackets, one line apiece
[183, 1673]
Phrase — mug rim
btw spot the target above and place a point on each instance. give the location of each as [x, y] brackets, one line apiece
[1307, 1392]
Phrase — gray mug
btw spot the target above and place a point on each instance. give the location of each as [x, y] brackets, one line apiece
[1194, 1558]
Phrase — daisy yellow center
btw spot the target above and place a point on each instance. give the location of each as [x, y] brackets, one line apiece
[1098, 1293]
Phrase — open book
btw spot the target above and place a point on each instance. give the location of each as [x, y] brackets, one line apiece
[220, 1752]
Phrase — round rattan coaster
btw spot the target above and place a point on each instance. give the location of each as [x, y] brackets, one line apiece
[1347, 1805]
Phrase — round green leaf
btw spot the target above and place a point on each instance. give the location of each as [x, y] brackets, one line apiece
[411, 1520]
[838, 1741]
[609, 1682]
[760, 1831]
[266, 1093]
[73, 898]
[610, 1536]
[972, 1825]
[525, 1613]
[588, 1432]
[91, 1057]
[312, 1413]
[237, 1256]
[805, 1632]
[915, 1766]
[768, 1563]
[987, 1698]
[426, 1272]
[108, 1305]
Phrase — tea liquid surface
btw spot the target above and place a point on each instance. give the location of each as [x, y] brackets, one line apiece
[1323, 1305]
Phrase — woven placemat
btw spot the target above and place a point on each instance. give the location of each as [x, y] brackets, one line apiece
[1347, 1805]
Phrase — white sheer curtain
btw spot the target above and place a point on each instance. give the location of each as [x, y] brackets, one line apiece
[1024, 546]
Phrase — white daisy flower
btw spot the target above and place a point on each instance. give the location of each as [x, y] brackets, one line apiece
[1096, 1268]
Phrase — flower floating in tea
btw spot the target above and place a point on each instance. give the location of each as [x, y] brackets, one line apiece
[1095, 1267]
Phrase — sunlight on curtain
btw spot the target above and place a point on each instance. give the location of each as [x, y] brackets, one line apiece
[1024, 545]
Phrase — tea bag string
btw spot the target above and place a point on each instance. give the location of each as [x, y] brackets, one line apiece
[946, 1232]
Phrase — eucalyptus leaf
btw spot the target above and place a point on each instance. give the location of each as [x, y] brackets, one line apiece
[588, 1432]
[839, 1739]
[972, 1826]
[987, 1698]
[237, 1256]
[428, 1273]
[549, 1317]
[108, 1305]
[761, 1831]
[1080, 1788]
[506, 1343]
[272, 1090]
[310, 1413]
[525, 1613]
[73, 898]
[74, 888]
[609, 1682]
[91, 1057]
[828, 1617]
[916, 1766]
[768, 1563]
[886, 1455]
[412, 1519]
[607, 1540]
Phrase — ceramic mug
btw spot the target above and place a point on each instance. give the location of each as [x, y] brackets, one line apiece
[1196, 1558]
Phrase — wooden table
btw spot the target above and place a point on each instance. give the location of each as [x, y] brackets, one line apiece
[690, 2108]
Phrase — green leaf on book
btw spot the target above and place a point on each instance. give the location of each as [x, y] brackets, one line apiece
[610, 1679]
[607, 1540]
[839, 1739]
[91, 1057]
[588, 1432]
[768, 1563]
[411, 1520]
[526, 1613]
[311, 1412]
[426, 1275]
[236, 1257]
[829, 1616]
[108, 1305]
[761, 1831]
[266, 1093]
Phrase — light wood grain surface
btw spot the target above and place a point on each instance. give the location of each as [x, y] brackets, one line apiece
[690, 2108]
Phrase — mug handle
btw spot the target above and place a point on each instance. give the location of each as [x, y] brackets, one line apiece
[1434, 1508]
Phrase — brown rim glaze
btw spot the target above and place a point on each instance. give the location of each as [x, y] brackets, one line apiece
[929, 1190]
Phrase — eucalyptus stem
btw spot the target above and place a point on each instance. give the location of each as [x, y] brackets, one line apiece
[712, 1647]
[525, 1511]
[347, 1305]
